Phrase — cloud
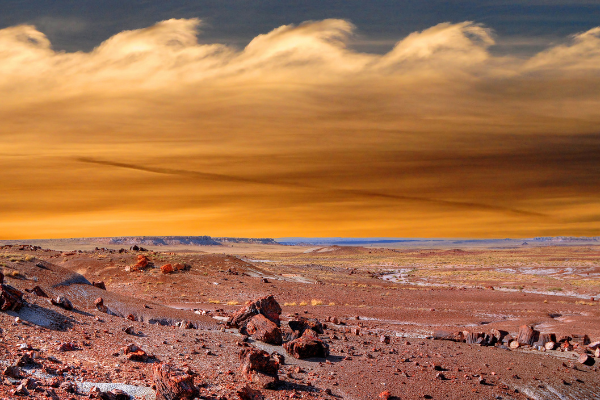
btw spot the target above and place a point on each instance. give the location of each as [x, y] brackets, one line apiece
[300, 125]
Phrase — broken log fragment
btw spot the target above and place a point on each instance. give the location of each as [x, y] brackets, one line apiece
[527, 335]
[10, 298]
[259, 367]
[545, 338]
[172, 383]
[473, 337]
[585, 359]
[442, 334]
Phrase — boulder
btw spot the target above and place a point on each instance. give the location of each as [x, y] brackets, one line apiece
[259, 367]
[172, 383]
[266, 306]
[264, 330]
[166, 269]
[307, 346]
[62, 302]
[10, 298]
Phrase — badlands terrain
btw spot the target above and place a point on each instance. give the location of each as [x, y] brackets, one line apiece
[172, 321]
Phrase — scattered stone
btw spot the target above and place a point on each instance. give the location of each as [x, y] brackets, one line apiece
[62, 302]
[130, 330]
[307, 346]
[99, 285]
[440, 376]
[264, 330]
[100, 305]
[259, 367]
[68, 387]
[385, 339]
[21, 390]
[278, 357]
[68, 346]
[385, 395]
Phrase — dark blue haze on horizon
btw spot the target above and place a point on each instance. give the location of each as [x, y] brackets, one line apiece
[522, 27]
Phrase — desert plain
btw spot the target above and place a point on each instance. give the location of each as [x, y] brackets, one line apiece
[394, 322]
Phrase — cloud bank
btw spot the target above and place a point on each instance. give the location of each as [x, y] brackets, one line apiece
[298, 134]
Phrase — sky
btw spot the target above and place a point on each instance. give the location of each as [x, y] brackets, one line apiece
[321, 118]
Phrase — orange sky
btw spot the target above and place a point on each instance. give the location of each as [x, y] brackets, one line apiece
[152, 133]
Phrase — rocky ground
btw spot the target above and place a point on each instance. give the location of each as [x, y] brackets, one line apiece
[351, 322]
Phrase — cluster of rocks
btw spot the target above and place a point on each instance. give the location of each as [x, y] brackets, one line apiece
[143, 262]
[261, 320]
[527, 337]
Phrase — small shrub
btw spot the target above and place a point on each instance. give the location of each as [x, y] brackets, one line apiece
[290, 304]
[233, 303]
[316, 302]
[214, 301]
[303, 303]
[29, 258]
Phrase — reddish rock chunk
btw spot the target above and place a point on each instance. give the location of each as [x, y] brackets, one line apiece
[166, 269]
[247, 393]
[266, 306]
[99, 285]
[259, 367]
[62, 302]
[134, 353]
[68, 346]
[307, 346]
[264, 330]
[13, 372]
[172, 383]
[99, 303]
[10, 298]
[178, 267]
[38, 291]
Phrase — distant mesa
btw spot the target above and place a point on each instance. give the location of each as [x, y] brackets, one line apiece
[139, 241]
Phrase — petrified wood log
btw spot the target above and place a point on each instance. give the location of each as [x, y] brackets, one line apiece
[172, 383]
